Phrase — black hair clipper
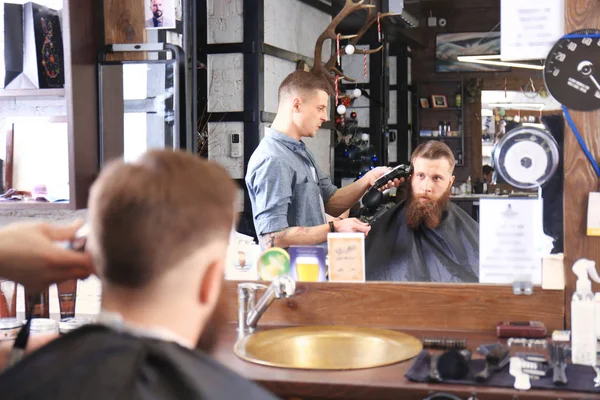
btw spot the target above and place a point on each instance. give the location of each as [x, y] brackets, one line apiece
[372, 199]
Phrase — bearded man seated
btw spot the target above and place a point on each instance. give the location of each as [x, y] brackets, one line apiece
[425, 237]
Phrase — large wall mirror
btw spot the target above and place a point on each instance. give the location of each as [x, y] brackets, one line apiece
[470, 109]
[470, 247]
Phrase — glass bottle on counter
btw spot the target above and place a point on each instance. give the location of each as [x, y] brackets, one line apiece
[40, 307]
[458, 96]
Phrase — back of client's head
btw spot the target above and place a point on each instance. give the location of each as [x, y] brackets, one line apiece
[159, 231]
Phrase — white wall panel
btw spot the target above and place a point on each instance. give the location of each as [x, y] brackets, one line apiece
[225, 21]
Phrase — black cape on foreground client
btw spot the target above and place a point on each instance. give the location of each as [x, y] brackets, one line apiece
[99, 363]
[448, 253]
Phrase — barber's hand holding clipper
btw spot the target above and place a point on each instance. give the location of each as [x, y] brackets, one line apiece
[29, 254]
[376, 173]
[371, 177]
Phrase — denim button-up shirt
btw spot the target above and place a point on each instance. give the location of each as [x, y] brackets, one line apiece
[285, 185]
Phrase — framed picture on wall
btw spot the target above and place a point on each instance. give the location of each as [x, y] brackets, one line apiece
[448, 46]
[424, 103]
[160, 14]
[439, 101]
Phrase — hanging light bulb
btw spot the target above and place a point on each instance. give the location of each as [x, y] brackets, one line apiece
[341, 109]
[356, 93]
[349, 49]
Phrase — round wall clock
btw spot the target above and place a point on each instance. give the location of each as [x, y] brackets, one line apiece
[572, 70]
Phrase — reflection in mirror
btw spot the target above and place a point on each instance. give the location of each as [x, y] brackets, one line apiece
[443, 227]
[138, 113]
[478, 229]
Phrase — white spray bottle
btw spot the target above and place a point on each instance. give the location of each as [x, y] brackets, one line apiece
[583, 326]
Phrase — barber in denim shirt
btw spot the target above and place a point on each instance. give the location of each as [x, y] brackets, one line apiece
[290, 194]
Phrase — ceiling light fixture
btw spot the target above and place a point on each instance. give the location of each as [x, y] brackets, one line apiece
[537, 106]
[495, 60]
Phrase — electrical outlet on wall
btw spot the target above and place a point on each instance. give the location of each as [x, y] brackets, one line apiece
[236, 146]
[431, 21]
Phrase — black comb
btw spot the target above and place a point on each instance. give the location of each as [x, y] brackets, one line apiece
[444, 343]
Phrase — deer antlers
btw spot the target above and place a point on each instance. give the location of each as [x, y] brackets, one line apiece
[329, 33]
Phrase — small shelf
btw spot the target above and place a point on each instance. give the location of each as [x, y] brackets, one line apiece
[33, 205]
[32, 93]
[433, 117]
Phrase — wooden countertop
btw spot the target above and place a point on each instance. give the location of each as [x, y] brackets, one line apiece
[380, 383]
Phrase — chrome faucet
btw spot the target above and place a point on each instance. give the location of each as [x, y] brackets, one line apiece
[249, 311]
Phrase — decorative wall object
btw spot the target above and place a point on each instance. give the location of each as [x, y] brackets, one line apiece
[42, 57]
[451, 45]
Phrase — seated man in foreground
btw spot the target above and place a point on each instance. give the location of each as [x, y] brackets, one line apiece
[426, 237]
[159, 230]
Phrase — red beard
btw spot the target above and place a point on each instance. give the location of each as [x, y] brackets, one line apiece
[428, 213]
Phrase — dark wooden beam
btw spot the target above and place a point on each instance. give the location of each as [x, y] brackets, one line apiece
[377, 94]
[270, 117]
[254, 102]
[81, 38]
[230, 116]
[319, 5]
[227, 48]
[402, 104]
[200, 69]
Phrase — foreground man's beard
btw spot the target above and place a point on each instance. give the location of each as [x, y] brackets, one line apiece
[428, 213]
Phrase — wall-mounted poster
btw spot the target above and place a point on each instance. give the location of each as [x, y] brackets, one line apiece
[34, 59]
[448, 46]
[160, 14]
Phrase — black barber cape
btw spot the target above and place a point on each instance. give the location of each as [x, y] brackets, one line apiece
[98, 363]
[449, 253]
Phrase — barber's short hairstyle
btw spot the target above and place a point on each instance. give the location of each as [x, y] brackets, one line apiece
[487, 169]
[302, 81]
[434, 150]
[151, 214]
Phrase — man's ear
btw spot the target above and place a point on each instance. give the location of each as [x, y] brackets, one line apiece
[296, 104]
[452, 180]
[212, 282]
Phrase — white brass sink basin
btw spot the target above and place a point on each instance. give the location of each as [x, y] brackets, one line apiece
[327, 347]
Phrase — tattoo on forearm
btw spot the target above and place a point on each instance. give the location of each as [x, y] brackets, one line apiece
[303, 230]
[270, 238]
